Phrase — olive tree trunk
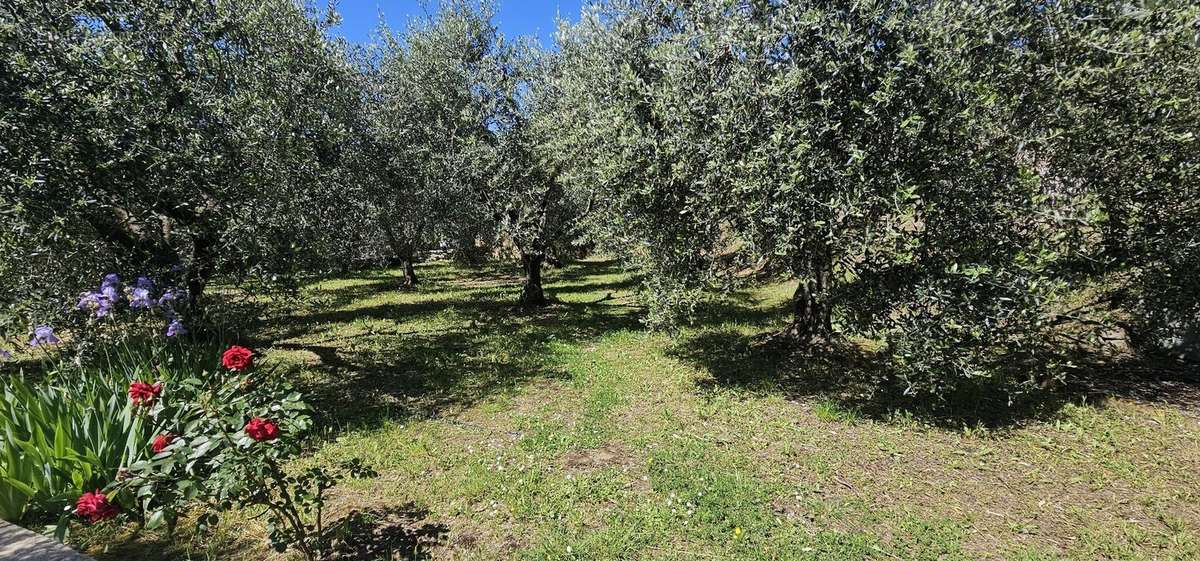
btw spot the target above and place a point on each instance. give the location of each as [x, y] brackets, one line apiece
[812, 311]
[410, 273]
[531, 291]
[403, 251]
[200, 270]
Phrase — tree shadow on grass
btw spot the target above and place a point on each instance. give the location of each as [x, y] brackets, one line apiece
[434, 278]
[414, 375]
[740, 308]
[478, 344]
[400, 533]
[859, 380]
[1144, 379]
[488, 291]
[586, 270]
[622, 285]
[319, 322]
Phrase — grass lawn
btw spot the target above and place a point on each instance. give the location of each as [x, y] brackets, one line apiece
[572, 433]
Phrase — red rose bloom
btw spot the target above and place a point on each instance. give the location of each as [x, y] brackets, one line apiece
[237, 358]
[161, 442]
[95, 507]
[261, 429]
[143, 393]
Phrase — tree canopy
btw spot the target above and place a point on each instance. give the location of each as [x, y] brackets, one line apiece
[979, 188]
[942, 176]
[183, 137]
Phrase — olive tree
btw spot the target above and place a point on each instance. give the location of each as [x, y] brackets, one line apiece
[429, 126]
[536, 210]
[188, 136]
[461, 140]
[906, 163]
[1119, 116]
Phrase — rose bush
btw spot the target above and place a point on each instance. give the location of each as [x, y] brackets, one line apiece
[161, 442]
[80, 427]
[223, 440]
[152, 432]
[68, 433]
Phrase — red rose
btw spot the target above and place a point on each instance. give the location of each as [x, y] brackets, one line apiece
[161, 442]
[261, 429]
[237, 358]
[143, 393]
[95, 507]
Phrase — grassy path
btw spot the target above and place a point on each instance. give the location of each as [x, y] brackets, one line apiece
[571, 433]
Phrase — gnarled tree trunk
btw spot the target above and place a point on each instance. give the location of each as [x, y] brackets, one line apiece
[531, 291]
[404, 252]
[410, 273]
[812, 311]
[200, 270]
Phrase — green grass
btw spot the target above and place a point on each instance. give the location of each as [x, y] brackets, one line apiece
[571, 433]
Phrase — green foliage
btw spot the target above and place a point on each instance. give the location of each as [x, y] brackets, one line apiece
[459, 141]
[425, 129]
[73, 430]
[539, 214]
[831, 411]
[1119, 128]
[63, 438]
[145, 135]
[940, 175]
[213, 459]
[205, 413]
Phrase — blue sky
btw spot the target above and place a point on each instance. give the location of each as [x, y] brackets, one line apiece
[515, 17]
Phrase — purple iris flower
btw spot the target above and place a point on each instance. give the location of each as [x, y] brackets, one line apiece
[170, 296]
[111, 287]
[176, 328]
[166, 302]
[98, 303]
[103, 306]
[140, 298]
[88, 300]
[5, 355]
[43, 335]
[144, 282]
